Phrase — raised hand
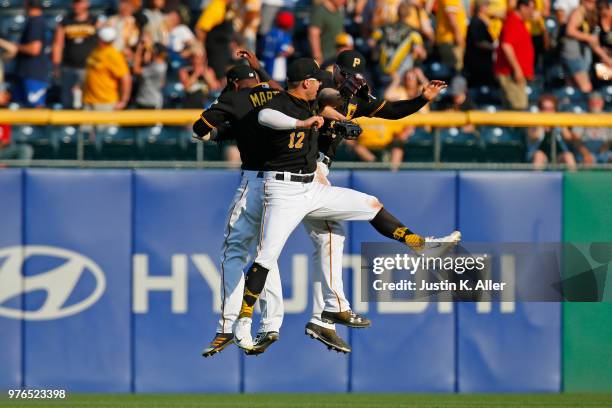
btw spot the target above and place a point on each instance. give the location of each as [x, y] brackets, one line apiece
[249, 57]
[433, 89]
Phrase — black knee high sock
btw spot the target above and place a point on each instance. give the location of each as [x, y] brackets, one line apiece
[254, 283]
[386, 224]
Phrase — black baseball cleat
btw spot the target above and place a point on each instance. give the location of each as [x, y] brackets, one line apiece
[347, 318]
[328, 337]
[221, 341]
[262, 342]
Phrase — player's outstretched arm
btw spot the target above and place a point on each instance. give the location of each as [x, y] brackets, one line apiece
[220, 112]
[202, 130]
[205, 128]
[401, 109]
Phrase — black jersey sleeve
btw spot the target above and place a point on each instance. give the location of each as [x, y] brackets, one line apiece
[381, 108]
[368, 106]
[400, 109]
[221, 111]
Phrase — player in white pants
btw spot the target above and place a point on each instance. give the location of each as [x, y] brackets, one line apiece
[240, 239]
[290, 193]
[243, 227]
[288, 202]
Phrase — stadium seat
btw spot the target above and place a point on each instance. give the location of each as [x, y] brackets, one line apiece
[345, 154]
[195, 5]
[569, 95]
[606, 92]
[439, 71]
[11, 26]
[57, 4]
[213, 151]
[459, 146]
[64, 141]
[99, 3]
[115, 143]
[485, 95]
[419, 147]
[173, 93]
[52, 18]
[10, 4]
[551, 24]
[191, 149]
[554, 75]
[24, 133]
[533, 92]
[490, 108]
[36, 136]
[580, 107]
[503, 144]
[161, 143]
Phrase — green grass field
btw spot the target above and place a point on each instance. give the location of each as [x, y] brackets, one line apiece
[323, 401]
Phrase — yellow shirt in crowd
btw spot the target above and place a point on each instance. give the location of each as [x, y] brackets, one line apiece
[414, 17]
[444, 32]
[376, 136]
[212, 16]
[385, 12]
[498, 8]
[105, 67]
[537, 25]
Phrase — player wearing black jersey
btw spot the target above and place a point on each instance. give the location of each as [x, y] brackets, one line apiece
[243, 224]
[354, 99]
[290, 194]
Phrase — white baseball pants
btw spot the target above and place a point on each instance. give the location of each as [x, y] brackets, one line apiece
[287, 203]
[240, 238]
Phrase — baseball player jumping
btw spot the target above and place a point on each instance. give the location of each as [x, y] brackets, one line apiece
[288, 135]
[346, 91]
[243, 228]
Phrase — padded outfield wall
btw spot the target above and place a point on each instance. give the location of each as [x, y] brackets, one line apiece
[587, 327]
[117, 274]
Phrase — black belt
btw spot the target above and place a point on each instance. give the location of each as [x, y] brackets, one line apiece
[298, 178]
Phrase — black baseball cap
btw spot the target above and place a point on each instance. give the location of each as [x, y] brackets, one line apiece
[304, 68]
[351, 61]
[240, 71]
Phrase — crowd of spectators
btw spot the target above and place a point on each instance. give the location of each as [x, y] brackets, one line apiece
[154, 54]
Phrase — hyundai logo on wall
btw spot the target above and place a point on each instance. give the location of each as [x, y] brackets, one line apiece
[58, 282]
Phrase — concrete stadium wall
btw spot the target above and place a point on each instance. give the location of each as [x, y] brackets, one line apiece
[137, 301]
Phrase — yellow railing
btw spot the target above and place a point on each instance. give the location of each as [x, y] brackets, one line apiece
[186, 117]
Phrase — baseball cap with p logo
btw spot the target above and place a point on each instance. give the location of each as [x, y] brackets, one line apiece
[351, 62]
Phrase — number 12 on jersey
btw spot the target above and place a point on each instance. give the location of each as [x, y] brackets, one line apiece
[296, 140]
